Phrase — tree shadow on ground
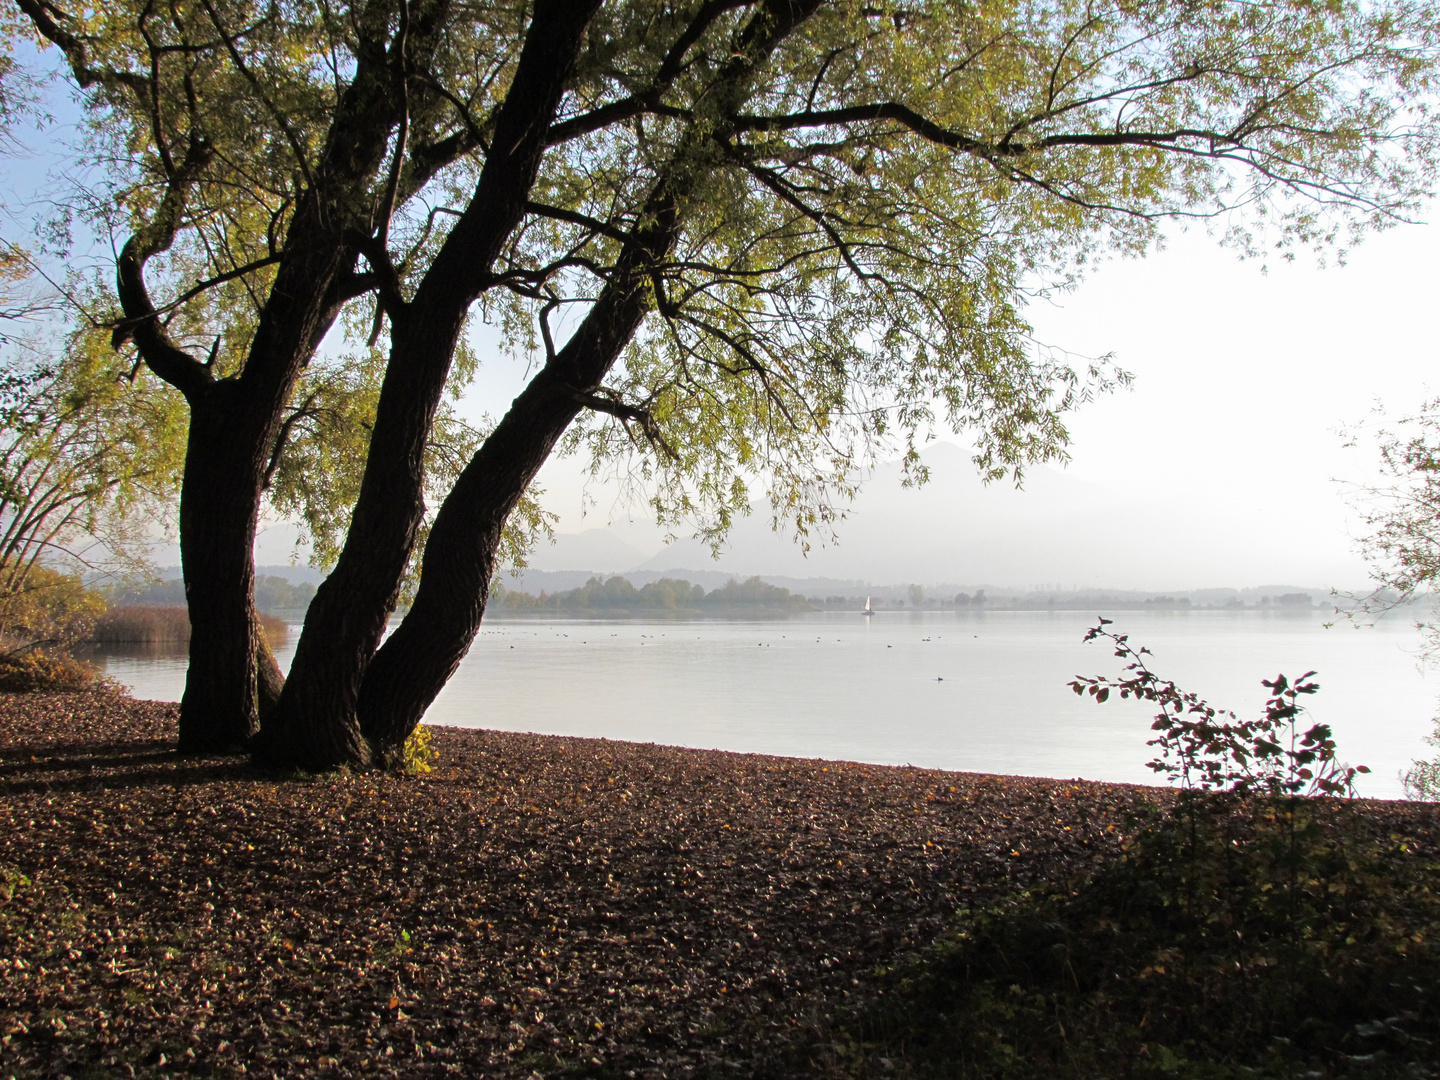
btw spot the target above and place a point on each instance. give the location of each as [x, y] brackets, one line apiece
[89, 766]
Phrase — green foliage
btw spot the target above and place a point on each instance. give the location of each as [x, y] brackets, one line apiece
[842, 282]
[1296, 939]
[418, 756]
[47, 607]
[86, 454]
[863, 222]
[1207, 749]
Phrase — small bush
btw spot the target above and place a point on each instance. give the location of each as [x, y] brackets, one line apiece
[38, 671]
[419, 754]
[43, 607]
[1209, 749]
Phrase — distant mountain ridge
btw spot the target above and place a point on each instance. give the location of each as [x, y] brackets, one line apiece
[1059, 531]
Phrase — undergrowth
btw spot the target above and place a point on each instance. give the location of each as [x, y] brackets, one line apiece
[1280, 939]
[39, 670]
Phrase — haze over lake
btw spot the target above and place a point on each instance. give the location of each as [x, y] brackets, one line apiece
[976, 691]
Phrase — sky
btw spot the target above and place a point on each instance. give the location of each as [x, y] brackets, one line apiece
[1227, 457]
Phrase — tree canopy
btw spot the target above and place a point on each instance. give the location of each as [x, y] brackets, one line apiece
[741, 243]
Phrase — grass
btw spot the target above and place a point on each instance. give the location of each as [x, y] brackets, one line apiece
[1234, 938]
[150, 625]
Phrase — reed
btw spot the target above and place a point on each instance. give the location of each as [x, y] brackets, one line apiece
[150, 625]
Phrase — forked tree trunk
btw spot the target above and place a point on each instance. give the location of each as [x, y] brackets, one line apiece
[315, 725]
[412, 666]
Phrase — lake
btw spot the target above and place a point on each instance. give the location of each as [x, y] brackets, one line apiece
[980, 691]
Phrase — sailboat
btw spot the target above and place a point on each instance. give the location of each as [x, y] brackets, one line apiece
[868, 609]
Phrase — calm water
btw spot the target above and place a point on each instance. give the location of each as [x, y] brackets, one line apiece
[974, 691]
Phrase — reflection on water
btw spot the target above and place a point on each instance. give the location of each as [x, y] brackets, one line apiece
[133, 650]
[984, 691]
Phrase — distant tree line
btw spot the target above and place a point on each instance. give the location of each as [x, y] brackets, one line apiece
[666, 594]
[273, 595]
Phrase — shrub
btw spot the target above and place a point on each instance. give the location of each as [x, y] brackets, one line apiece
[1278, 946]
[37, 670]
[44, 607]
[1208, 749]
[419, 754]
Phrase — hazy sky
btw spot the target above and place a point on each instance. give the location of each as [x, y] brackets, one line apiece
[1231, 437]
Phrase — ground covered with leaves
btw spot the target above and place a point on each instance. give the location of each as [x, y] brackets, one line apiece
[554, 907]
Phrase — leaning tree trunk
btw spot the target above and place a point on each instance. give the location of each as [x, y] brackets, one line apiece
[414, 664]
[315, 725]
[416, 661]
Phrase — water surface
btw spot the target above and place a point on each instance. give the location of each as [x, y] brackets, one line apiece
[982, 691]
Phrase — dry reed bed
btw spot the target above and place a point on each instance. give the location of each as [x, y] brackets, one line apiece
[151, 625]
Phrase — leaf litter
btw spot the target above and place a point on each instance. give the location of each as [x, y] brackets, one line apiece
[535, 906]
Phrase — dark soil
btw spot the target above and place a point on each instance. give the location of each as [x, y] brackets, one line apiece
[534, 906]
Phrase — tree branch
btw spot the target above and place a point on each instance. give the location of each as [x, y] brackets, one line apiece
[608, 402]
[574, 217]
[74, 50]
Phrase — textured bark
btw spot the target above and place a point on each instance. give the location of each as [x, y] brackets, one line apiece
[420, 656]
[218, 508]
[233, 426]
[315, 725]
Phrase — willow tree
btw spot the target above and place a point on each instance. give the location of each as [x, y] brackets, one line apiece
[823, 239]
[781, 232]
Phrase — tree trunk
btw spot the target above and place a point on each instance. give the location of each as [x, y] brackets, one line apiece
[315, 725]
[416, 661]
[219, 505]
[414, 664]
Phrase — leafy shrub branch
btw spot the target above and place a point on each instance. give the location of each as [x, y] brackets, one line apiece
[1210, 749]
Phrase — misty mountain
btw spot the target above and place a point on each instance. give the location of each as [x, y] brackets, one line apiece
[1058, 531]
